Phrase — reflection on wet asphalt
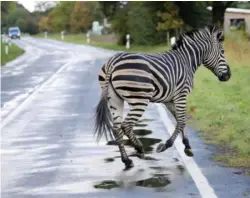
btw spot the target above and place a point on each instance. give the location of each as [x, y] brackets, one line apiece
[49, 149]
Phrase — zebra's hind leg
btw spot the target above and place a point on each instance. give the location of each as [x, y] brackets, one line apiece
[133, 116]
[116, 105]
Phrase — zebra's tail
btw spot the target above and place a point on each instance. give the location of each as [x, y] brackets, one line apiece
[103, 117]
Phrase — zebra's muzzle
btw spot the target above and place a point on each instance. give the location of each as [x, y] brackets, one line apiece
[225, 77]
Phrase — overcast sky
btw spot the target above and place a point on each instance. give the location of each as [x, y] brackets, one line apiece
[28, 4]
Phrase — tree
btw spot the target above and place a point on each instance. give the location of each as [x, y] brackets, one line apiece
[243, 4]
[43, 6]
[44, 23]
[140, 24]
[109, 8]
[137, 19]
[60, 16]
[83, 14]
[6, 8]
[31, 26]
[15, 15]
[21, 24]
[170, 18]
[119, 24]
[219, 8]
[194, 13]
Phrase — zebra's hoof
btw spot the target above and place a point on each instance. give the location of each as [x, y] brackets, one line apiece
[188, 152]
[129, 164]
[161, 147]
[140, 155]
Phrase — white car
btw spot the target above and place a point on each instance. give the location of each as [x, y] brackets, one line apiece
[14, 32]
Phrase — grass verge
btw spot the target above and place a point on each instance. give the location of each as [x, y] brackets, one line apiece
[80, 39]
[221, 111]
[14, 52]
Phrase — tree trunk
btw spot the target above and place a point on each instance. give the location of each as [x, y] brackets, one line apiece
[219, 8]
[218, 13]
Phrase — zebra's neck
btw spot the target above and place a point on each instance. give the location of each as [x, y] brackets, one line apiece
[191, 55]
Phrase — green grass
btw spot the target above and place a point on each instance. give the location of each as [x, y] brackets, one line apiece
[14, 52]
[220, 110]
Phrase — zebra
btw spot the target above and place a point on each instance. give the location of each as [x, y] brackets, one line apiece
[167, 78]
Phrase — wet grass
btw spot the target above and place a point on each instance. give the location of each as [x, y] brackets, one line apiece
[14, 52]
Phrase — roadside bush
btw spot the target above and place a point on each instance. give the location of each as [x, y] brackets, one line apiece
[135, 19]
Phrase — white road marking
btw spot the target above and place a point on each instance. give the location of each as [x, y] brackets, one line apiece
[200, 180]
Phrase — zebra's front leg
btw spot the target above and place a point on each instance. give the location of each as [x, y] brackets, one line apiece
[180, 115]
[170, 106]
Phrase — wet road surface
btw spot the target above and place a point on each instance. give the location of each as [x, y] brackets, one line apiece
[48, 149]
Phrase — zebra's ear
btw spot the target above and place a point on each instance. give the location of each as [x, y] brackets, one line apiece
[217, 32]
[220, 35]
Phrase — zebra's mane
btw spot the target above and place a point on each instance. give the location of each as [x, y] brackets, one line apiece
[190, 35]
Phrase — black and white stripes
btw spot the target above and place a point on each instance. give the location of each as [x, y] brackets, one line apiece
[161, 78]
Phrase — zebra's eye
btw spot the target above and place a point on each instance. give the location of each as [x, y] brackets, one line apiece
[220, 37]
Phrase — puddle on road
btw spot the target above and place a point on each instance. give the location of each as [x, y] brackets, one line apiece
[150, 158]
[147, 143]
[107, 184]
[141, 125]
[142, 132]
[160, 176]
[159, 168]
[145, 120]
[109, 159]
[145, 158]
[179, 167]
[156, 181]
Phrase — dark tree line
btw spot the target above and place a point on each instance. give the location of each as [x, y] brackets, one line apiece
[148, 22]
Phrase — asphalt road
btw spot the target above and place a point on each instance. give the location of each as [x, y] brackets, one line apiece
[48, 150]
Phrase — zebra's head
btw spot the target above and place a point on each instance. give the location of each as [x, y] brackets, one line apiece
[214, 58]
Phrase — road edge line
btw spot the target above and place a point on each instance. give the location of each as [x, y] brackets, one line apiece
[201, 182]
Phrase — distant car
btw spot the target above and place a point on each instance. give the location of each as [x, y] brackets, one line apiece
[14, 32]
